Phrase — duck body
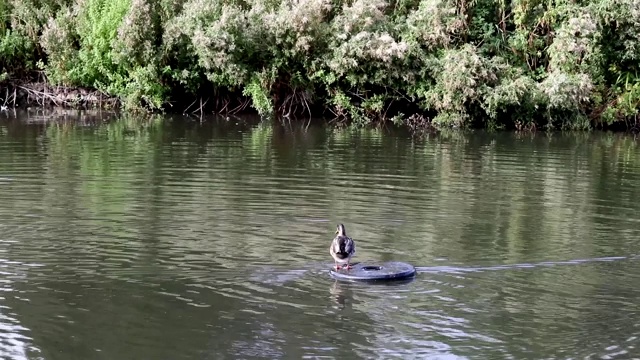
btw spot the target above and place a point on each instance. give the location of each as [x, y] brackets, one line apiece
[342, 248]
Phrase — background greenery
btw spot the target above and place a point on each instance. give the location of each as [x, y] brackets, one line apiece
[523, 63]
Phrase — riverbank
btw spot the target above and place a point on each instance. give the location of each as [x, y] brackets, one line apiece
[439, 63]
[22, 94]
[56, 98]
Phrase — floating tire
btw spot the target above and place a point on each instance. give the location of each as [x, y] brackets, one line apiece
[388, 271]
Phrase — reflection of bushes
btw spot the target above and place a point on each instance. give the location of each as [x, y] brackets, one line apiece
[501, 63]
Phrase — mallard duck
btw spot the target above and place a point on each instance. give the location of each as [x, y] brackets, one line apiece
[342, 247]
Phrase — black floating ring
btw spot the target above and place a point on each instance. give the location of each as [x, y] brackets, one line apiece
[388, 271]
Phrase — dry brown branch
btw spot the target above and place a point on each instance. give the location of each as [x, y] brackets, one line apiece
[188, 107]
[241, 107]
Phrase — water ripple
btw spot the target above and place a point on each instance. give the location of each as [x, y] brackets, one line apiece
[202, 240]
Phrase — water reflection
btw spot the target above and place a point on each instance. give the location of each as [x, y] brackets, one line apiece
[163, 238]
[15, 339]
[341, 295]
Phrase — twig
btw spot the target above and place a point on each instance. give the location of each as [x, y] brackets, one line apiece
[200, 109]
[306, 103]
[384, 115]
[188, 107]
[226, 104]
[41, 96]
[241, 107]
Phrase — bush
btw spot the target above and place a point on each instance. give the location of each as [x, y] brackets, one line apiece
[568, 64]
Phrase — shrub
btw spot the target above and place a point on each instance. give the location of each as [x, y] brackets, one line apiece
[570, 64]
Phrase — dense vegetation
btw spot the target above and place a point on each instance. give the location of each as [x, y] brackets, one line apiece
[571, 64]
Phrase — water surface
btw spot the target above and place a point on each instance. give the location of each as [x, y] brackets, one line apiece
[171, 238]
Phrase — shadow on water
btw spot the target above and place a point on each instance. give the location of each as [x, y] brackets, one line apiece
[173, 238]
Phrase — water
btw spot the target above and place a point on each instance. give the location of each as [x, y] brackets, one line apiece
[175, 239]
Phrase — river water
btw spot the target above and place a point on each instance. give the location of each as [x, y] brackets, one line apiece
[172, 238]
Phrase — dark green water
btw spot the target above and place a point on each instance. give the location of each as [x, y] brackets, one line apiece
[165, 240]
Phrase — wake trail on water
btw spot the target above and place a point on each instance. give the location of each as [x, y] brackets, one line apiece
[459, 269]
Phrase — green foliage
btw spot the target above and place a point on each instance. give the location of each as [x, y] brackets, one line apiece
[258, 90]
[108, 45]
[20, 24]
[16, 51]
[567, 64]
[97, 30]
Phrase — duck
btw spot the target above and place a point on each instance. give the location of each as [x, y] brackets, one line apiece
[342, 248]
